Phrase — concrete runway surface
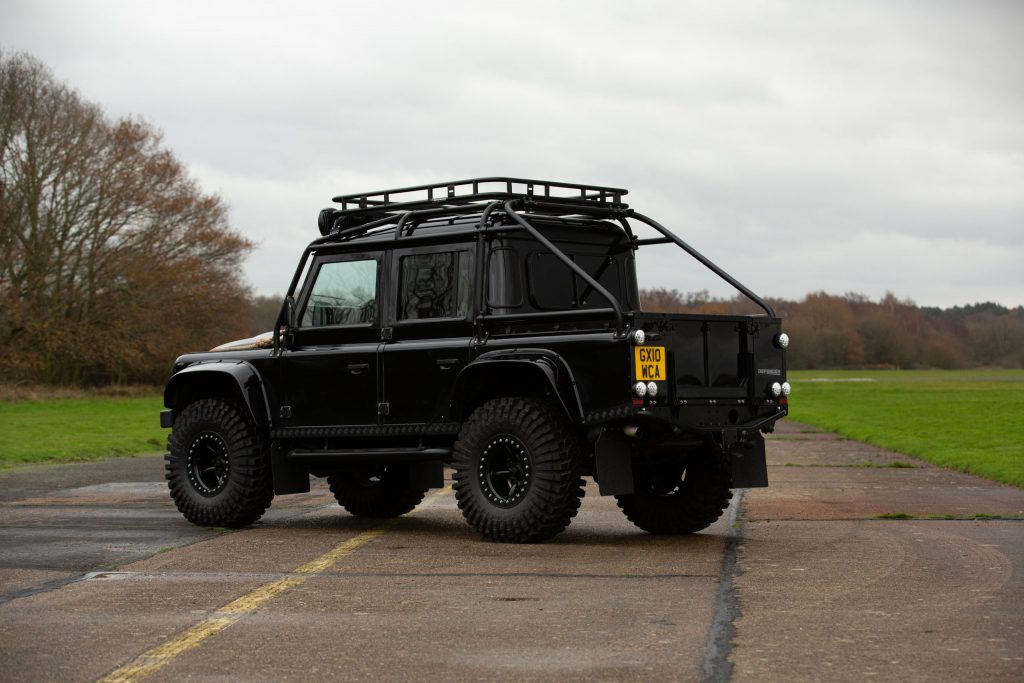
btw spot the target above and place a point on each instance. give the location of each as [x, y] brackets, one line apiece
[100, 578]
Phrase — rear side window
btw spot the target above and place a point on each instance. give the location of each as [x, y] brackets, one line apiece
[432, 286]
[553, 287]
[504, 279]
[344, 293]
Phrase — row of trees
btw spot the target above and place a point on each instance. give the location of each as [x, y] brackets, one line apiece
[853, 331]
[112, 260]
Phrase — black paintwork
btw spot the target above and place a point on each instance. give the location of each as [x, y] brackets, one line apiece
[539, 297]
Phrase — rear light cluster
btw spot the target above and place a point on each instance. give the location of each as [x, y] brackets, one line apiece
[777, 390]
[649, 389]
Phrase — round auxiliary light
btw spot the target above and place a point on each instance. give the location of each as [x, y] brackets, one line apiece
[775, 388]
[782, 340]
[652, 389]
[786, 388]
[640, 389]
[639, 337]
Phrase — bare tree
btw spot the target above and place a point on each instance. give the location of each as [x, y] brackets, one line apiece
[112, 260]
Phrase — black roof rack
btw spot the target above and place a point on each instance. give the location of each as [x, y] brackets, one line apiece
[391, 210]
[368, 206]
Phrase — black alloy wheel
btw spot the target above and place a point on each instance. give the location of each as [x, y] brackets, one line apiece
[208, 463]
[504, 471]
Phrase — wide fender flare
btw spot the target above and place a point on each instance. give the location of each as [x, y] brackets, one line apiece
[236, 374]
[542, 365]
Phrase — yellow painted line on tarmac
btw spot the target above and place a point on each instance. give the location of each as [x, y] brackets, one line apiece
[153, 660]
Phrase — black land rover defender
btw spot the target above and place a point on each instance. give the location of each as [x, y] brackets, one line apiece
[492, 325]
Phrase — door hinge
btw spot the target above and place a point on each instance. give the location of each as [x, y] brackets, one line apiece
[383, 408]
[285, 412]
[386, 333]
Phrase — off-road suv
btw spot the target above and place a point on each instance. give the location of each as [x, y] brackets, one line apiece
[492, 325]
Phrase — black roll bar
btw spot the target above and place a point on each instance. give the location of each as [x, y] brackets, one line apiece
[703, 259]
[620, 326]
[481, 292]
[548, 315]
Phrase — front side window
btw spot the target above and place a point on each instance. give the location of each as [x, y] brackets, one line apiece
[344, 293]
[433, 286]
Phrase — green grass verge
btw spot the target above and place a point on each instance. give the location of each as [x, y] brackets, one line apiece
[896, 464]
[72, 429]
[980, 516]
[971, 421]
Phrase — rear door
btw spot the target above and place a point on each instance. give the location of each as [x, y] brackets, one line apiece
[429, 315]
[710, 357]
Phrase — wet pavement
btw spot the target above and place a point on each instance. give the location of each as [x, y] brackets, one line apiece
[805, 583]
[831, 589]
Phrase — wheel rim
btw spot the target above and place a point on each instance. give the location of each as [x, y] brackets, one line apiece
[504, 471]
[369, 480]
[208, 464]
[669, 481]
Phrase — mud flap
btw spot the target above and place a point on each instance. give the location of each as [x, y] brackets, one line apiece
[614, 466]
[749, 463]
[428, 474]
[288, 477]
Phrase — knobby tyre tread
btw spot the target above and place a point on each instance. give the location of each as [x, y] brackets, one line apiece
[388, 497]
[248, 491]
[697, 502]
[555, 485]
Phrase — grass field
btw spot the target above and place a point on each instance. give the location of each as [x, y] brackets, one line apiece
[85, 428]
[971, 421]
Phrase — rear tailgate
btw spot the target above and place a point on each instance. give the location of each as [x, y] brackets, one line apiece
[712, 357]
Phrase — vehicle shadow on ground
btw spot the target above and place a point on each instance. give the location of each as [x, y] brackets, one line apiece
[453, 528]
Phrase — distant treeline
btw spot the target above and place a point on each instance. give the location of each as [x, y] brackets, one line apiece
[852, 331]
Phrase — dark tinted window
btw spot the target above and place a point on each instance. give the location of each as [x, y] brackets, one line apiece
[604, 269]
[433, 286]
[554, 287]
[504, 279]
[550, 282]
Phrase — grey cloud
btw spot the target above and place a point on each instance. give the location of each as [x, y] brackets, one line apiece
[865, 146]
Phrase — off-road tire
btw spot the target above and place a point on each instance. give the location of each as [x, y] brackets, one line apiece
[678, 499]
[217, 465]
[518, 470]
[380, 492]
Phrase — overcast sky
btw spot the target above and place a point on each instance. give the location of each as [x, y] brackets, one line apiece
[839, 146]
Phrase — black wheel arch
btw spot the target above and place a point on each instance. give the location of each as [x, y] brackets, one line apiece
[215, 434]
[539, 373]
[236, 380]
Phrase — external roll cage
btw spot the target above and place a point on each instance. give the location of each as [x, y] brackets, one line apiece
[402, 210]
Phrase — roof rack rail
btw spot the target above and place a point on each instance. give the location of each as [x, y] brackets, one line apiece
[572, 196]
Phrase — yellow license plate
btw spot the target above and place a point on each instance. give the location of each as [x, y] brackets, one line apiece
[650, 363]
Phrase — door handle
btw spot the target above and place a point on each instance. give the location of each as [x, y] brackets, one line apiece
[447, 363]
[357, 368]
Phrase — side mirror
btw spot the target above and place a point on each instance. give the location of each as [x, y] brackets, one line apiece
[289, 304]
[288, 313]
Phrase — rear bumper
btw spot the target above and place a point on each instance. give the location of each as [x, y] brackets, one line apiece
[728, 418]
[731, 427]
